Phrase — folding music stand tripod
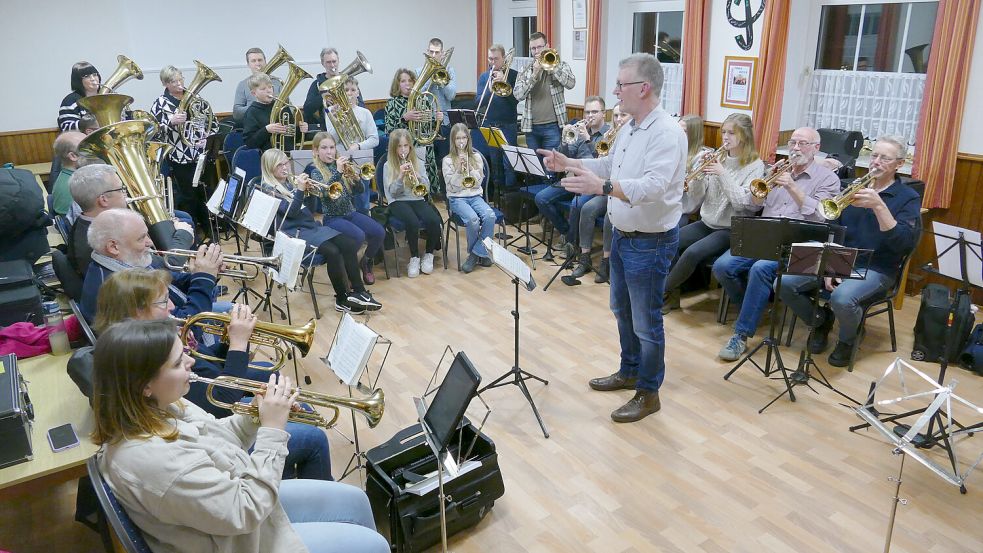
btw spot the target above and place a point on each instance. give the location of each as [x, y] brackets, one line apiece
[525, 160]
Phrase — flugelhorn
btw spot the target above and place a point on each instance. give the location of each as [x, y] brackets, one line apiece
[711, 158]
[252, 266]
[272, 335]
[372, 407]
[761, 187]
[366, 171]
[125, 70]
[831, 208]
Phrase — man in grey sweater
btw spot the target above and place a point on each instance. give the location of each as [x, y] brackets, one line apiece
[255, 60]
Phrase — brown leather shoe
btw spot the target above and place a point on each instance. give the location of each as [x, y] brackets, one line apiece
[613, 382]
[642, 405]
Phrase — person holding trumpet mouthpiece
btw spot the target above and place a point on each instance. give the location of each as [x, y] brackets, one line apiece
[339, 212]
[464, 171]
[883, 217]
[192, 482]
[256, 125]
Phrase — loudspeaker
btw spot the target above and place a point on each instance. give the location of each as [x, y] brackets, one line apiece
[842, 143]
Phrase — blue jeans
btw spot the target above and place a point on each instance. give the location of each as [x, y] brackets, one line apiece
[361, 228]
[546, 200]
[479, 221]
[308, 455]
[731, 271]
[501, 169]
[584, 212]
[639, 267]
[331, 517]
[697, 243]
[361, 201]
[846, 300]
[546, 137]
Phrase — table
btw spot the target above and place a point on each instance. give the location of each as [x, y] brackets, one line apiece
[56, 400]
[40, 170]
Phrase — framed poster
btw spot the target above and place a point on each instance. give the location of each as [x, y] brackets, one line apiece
[579, 14]
[737, 89]
[579, 45]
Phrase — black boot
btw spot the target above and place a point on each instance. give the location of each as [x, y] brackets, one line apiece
[642, 405]
[583, 266]
[601, 273]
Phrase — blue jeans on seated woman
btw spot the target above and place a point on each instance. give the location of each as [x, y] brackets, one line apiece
[479, 221]
[308, 453]
[331, 517]
[360, 228]
[731, 271]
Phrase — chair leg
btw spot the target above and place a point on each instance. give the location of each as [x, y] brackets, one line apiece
[722, 307]
[457, 243]
[791, 330]
[890, 320]
[310, 283]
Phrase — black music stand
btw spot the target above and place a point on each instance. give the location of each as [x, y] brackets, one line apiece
[771, 238]
[820, 260]
[495, 138]
[525, 160]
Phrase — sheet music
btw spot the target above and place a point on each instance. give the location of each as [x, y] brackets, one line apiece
[524, 160]
[949, 263]
[291, 252]
[351, 349]
[508, 261]
[260, 212]
[215, 201]
[198, 170]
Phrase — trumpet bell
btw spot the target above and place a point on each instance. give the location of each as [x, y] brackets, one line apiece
[501, 88]
[569, 135]
[469, 182]
[367, 171]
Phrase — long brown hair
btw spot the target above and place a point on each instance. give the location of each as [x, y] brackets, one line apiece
[394, 87]
[128, 355]
[315, 144]
[455, 153]
[392, 158]
[694, 135]
[747, 151]
[127, 293]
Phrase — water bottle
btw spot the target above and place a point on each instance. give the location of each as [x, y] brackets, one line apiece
[57, 336]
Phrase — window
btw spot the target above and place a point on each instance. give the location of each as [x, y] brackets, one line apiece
[893, 38]
[658, 33]
[522, 27]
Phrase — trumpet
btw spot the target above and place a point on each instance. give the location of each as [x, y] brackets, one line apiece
[332, 190]
[371, 407]
[549, 59]
[571, 133]
[468, 182]
[831, 208]
[711, 158]
[366, 171]
[761, 187]
[272, 335]
[252, 266]
[412, 180]
[603, 147]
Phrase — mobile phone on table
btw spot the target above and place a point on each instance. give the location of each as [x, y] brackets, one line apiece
[62, 437]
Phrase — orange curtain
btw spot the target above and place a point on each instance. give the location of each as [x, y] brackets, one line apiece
[595, 36]
[544, 21]
[696, 49]
[483, 34]
[769, 82]
[937, 140]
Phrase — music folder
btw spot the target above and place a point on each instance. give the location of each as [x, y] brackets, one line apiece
[493, 136]
[466, 116]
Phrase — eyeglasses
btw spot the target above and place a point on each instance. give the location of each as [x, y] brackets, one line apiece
[619, 85]
[120, 189]
[161, 303]
[800, 143]
[883, 158]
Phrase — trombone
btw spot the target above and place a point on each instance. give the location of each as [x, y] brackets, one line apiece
[251, 266]
[371, 407]
[500, 88]
[272, 335]
[549, 59]
[761, 187]
[831, 208]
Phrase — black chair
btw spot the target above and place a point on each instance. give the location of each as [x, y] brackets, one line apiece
[455, 222]
[70, 280]
[90, 335]
[124, 534]
[393, 224]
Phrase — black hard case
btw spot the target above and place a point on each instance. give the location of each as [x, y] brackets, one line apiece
[16, 415]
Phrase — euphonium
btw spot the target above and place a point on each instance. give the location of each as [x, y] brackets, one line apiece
[549, 59]
[253, 264]
[604, 145]
[832, 207]
[761, 187]
[279, 58]
[425, 131]
[199, 112]
[106, 108]
[372, 407]
[125, 70]
[412, 180]
[286, 114]
[342, 117]
[711, 158]
[271, 335]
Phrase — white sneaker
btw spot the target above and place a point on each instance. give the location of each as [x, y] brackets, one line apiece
[413, 269]
[427, 265]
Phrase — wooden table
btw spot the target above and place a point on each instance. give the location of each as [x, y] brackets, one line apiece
[40, 170]
[56, 400]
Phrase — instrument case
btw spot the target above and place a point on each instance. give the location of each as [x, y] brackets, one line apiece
[20, 298]
[412, 522]
[16, 414]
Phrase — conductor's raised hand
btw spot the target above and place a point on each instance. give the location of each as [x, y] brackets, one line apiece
[582, 181]
[553, 160]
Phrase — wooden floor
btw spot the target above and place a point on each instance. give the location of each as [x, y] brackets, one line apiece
[706, 474]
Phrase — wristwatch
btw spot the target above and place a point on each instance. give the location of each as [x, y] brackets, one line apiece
[607, 188]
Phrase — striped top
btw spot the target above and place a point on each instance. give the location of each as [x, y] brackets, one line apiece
[70, 112]
[162, 110]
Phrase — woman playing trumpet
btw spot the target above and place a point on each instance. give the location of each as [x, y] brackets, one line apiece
[692, 125]
[339, 213]
[340, 253]
[464, 170]
[192, 482]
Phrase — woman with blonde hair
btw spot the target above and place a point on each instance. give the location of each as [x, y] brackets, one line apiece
[724, 190]
[191, 482]
[414, 211]
[399, 114]
[295, 217]
[692, 125]
[468, 203]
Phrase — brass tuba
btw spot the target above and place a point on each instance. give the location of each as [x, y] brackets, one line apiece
[106, 108]
[125, 70]
[285, 113]
[372, 407]
[358, 66]
[425, 131]
[831, 208]
[271, 335]
[279, 58]
[342, 117]
[761, 187]
[124, 146]
[199, 111]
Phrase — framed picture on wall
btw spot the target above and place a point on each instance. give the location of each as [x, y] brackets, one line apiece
[579, 14]
[579, 45]
[737, 89]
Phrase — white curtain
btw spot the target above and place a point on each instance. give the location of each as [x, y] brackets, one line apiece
[869, 102]
[672, 88]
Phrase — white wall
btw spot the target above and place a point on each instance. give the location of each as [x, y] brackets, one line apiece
[971, 137]
[722, 44]
[36, 47]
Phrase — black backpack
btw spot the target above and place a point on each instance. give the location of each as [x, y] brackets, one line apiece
[930, 327]
[21, 202]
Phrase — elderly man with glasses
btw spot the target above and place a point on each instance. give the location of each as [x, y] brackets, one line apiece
[748, 282]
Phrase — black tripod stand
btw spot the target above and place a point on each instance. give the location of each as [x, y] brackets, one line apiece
[517, 376]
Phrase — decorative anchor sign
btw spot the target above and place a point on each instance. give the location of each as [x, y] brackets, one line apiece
[744, 42]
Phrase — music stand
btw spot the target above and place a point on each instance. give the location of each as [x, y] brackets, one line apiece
[820, 260]
[495, 138]
[525, 160]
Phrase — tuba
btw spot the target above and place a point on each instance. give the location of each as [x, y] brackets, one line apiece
[106, 108]
[761, 187]
[358, 66]
[286, 114]
[549, 59]
[279, 58]
[200, 114]
[124, 146]
[125, 70]
[371, 407]
[604, 145]
[831, 208]
[425, 131]
[342, 117]
[273, 335]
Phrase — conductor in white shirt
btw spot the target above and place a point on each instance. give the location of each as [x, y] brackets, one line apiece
[643, 178]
